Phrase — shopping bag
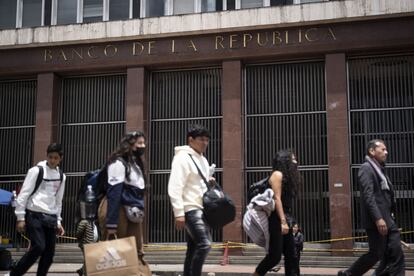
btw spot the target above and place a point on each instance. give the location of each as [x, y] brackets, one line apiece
[143, 267]
[115, 257]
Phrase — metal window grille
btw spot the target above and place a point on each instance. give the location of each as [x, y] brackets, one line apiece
[381, 105]
[178, 99]
[17, 124]
[285, 109]
[92, 123]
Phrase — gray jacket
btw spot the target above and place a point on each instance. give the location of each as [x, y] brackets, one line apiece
[255, 220]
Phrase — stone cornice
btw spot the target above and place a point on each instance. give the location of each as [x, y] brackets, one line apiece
[204, 23]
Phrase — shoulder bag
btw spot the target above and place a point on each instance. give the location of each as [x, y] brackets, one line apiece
[219, 209]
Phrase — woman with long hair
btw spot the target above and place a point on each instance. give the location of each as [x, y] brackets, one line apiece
[285, 181]
[121, 211]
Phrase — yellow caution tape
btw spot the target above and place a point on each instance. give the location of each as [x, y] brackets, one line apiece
[352, 238]
[230, 244]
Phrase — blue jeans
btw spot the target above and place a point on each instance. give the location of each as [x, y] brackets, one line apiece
[198, 242]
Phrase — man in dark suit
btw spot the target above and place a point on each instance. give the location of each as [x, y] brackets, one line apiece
[377, 208]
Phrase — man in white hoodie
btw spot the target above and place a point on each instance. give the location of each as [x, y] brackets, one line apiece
[38, 210]
[186, 188]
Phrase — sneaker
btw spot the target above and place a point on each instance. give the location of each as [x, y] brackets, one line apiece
[275, 269]
[343, 273]
[7, 274]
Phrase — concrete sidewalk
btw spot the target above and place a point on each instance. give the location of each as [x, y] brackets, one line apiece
[208, 270]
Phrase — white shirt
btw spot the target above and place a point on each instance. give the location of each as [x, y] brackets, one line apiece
[186, 187]
[48, 197]
[116, 175]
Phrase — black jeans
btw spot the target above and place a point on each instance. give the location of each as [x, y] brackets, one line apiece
[297, 265]
[385, 248]
[198, 242]
[278, 243]
[42, 244]
[289, 253]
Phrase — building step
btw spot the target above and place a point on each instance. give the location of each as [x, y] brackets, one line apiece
[251, 255]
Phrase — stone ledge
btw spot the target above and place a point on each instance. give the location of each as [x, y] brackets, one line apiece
[214, 22]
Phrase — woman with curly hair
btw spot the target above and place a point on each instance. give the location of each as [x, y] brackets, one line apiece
[285, 181]
[121, 211]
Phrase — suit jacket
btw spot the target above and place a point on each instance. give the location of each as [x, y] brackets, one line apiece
[375, 202]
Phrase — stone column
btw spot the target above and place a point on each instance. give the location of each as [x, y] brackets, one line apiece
[232, 145]
[136, 119]
[135, 100]
[47, 114]
[338, 150]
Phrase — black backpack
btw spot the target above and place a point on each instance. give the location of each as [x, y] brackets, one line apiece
[98, 180]
[258, 188]
[39, 179]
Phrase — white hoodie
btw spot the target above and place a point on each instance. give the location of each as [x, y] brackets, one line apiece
[48, 197]
[186, 187]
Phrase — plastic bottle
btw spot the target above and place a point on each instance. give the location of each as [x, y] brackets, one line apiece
[14, 199]
[90, 194]
[90, 203]
[212, 169]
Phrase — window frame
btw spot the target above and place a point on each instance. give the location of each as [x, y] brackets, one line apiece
[105, 11]
[19, 15]
[168, 9]
[16, 16]
[53, 20]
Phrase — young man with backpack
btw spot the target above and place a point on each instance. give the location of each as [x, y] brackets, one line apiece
[38, 212]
